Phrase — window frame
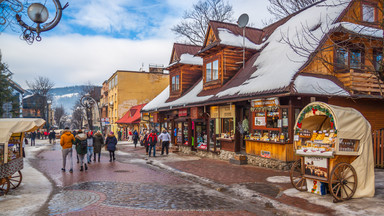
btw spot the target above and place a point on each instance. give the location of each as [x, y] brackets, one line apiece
[373, 6]
[175, 83]
[375, 63]
[349, 58]
[213, 72]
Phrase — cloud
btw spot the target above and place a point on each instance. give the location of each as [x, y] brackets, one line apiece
[77, 59]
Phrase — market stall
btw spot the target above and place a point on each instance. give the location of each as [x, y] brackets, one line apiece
[335, 146]
[11, 146]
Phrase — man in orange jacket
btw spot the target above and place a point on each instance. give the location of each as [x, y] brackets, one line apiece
[66, 142]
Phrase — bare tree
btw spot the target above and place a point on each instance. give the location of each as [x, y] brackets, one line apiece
[41, 87]
[59, 114]
[282, 8]
[194, 26]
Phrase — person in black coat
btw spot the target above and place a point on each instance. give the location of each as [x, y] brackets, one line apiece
[111, 143]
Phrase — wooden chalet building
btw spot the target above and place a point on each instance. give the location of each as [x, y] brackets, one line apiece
[220, 107]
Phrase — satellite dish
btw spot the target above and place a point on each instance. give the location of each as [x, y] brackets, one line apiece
[243, 20]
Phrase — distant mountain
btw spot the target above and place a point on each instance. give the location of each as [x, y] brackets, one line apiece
[66, 96]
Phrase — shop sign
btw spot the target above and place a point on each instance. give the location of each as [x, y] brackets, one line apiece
[265, 154]
[196, 113]
[183, 112]
[265, 104]
[145, 117]
[260, 121]
[227, 111]
[316, 166]
[214, 112]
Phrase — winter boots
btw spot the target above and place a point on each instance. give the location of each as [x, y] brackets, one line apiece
[85, 166]
[81, 168]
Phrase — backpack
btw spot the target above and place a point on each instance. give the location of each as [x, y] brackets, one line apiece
[83, 144]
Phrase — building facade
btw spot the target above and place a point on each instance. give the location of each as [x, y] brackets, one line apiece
[130, 88]
[248, 93]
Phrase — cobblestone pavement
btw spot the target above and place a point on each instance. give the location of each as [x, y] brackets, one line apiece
[133, 186]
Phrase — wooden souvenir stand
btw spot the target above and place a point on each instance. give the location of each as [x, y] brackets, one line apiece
[335, 148]
[11, 150]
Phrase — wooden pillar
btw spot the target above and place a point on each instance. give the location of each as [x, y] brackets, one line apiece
[238, 118]
[208, 123]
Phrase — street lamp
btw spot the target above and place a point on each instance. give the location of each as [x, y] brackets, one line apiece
[37, 12]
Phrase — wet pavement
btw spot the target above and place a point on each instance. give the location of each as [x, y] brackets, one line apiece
[134, 185]
[178, 184]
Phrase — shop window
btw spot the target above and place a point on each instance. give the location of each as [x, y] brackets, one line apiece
[272, 119]
[368, 11]
[212, 71]
[175, 83]
[227, 127]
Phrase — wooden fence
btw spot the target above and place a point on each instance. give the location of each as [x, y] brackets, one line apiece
[378, 148]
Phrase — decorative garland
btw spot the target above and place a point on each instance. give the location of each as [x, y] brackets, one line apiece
[314, 109]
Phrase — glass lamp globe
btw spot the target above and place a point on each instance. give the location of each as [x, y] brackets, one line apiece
[38, 13]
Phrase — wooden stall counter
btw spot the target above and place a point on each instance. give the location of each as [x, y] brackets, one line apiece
[227, 144]
[274, 150]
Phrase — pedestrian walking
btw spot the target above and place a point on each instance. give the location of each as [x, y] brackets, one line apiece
[145, 141]
[52, 137]
[33, 138]
[165, 138]
[152, 140]
[45, 134]
[129, 135]
[111, 143]
[66, 142]
[119, 134]
[90, 143]
[97, 145]
[135, 137]
[81, 148]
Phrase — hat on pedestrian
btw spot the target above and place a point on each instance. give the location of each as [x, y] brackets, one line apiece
[66, 128]
[111, 133]
[80, 131]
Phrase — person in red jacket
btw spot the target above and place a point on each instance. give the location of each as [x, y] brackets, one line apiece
[152, 140]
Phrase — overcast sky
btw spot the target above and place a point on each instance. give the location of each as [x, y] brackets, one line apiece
[97, 37]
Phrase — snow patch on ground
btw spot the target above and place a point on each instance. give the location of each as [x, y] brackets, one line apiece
[33, 191]
[279, 179]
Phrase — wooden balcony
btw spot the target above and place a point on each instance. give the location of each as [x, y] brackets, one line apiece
[361, 83]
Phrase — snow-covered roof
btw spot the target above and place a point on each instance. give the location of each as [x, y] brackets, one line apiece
[188, 59]
[228, 38]
[360, 29]
[278, 62]
[275, 66]
[190, 97]
[318, 86]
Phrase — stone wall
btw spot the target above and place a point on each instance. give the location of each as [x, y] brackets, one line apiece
[227, 155]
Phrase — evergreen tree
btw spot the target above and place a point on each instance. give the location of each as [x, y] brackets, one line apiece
[5, 89]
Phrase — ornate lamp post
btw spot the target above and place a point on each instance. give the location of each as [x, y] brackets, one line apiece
[38, 13]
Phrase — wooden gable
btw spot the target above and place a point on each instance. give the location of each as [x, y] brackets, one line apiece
[174, 57]
[210, 37]
[361, 80]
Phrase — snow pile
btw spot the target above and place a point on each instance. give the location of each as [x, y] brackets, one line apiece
[313, 85]
[66, 95]
[228, 38]
[279, 179]
[271, 75]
